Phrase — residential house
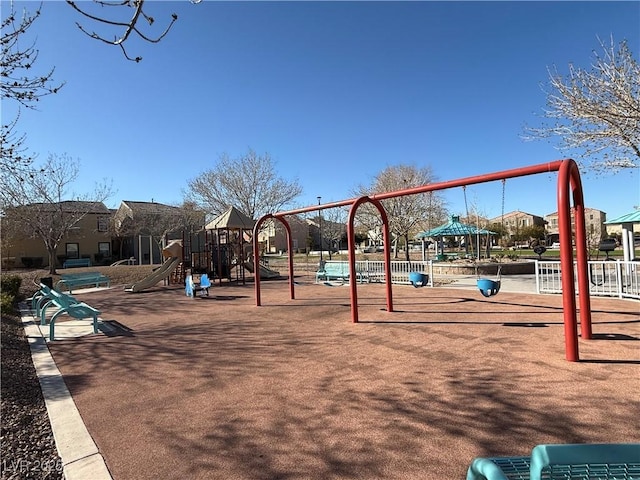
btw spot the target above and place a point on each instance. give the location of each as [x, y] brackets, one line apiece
[517, 220]
[88, 237]
[273, 238]
[594, 225]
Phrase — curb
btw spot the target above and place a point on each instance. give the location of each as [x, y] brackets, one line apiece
[80, 456]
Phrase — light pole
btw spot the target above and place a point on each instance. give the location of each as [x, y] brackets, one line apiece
[320, 225]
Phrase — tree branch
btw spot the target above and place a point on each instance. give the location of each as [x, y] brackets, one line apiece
[130, 26]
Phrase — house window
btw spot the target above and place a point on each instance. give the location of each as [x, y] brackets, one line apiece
[104, 249]
[72, 250]
[103, 224]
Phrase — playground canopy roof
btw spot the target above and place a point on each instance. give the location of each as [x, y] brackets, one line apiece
[454, 229]
[231, 219]
[633, 217]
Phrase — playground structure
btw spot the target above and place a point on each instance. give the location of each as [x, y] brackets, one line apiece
[223, 249]
[569, 187]
[216, 253]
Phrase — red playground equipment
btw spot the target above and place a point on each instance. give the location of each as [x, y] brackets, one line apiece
[569, 186]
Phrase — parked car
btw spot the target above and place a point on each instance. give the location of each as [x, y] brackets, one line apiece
[555, 245]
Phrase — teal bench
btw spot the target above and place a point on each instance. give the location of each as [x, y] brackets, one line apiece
[40, 296]
[605, 461]
[76, 262]
[333, 271]
[69, 305]
[71, 280]
[336, 271]
[44, 296]
[52, 298]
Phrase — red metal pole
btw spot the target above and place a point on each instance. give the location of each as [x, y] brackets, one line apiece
[351, 235]
[292, 293]
[352, 255]
[581, 254]
[566, 265]
[516, 172]
[256, 256]
[386, 237]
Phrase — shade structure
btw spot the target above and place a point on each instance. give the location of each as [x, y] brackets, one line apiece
[454, 228]
[626, 223]
[232, 219]
[633, 217]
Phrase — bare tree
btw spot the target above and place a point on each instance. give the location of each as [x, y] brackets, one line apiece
[407, 214]
[20, 83]
[40, 205]
[596, 111]
[333, 226]
[115, 21]
[249, 183]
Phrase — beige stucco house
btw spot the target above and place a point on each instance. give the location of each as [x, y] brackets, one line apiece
[88, 238]
[594, 224]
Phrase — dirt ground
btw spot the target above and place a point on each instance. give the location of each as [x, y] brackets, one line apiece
[217, 388]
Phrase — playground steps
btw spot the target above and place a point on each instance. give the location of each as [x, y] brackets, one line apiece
[178, 276]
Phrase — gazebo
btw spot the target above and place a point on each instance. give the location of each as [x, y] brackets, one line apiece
[627, 221]
[455, 228]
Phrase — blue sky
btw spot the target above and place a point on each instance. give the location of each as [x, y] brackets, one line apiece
[333, 91]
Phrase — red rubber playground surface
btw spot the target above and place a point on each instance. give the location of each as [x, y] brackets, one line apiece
[217, 388]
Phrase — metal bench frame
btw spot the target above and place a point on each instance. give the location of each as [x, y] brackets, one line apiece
[615, 461]
[65, 304]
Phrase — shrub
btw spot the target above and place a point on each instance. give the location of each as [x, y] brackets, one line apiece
[10, 285]
[32, 262]
[6, 302]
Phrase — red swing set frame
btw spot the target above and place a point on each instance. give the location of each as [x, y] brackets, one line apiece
[569, 186]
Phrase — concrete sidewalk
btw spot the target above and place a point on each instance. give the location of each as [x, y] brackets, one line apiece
[80, 456]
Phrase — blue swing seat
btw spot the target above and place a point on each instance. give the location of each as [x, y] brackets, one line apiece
[487, 287]
[418, 279]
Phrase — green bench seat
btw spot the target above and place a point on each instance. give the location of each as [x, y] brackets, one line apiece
[69, 305]
[333, 271]
[43, 298]
[71, 280]
[76, 262]
[336, 271]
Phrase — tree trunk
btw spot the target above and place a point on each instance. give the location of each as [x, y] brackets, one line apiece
[52, 260]
[406, 247]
